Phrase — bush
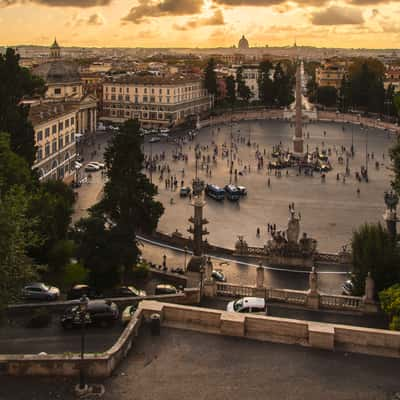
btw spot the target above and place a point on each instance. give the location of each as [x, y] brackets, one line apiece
[41, 317]
[73, 274]
[140, 270]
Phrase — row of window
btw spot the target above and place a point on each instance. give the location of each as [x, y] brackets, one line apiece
[150, 99]
[54, 147]
[55, 128]
[146, 90]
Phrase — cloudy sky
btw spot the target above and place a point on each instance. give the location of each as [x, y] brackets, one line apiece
[201, 23]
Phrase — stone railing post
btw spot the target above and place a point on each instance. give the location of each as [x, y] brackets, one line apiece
[313, 293]
[369, 303]
[260, 290]
[209, 284]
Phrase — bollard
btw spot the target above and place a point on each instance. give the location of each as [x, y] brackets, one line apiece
[155, 324]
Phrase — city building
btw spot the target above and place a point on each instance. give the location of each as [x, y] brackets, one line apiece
[331, 73]
[155, 101]
[64, 83]
[54, 124]
[392, 77]
[243, 44]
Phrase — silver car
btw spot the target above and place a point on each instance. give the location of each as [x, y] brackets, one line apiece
[40, 291]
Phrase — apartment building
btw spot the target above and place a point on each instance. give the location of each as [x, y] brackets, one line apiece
[331, 73]
[155, 101]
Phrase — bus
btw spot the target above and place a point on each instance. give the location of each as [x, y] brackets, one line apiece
[232, 192]
[215, 192]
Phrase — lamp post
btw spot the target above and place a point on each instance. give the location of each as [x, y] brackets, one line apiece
[185, 251]
[151, 162]
[83, 306]
[202, 270]
[352, 140]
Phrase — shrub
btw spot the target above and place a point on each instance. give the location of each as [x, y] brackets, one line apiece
[140, 270]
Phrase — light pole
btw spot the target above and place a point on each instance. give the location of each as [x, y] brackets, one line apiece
[151, 162]
[83, 306]
[185, 251]
[202, 270]
[352, 140]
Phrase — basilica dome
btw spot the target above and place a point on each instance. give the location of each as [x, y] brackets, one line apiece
[58, 71]
[243, 43]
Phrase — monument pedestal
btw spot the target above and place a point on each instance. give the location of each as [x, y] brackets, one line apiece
[195, 263]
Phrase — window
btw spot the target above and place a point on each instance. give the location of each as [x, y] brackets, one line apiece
[60, 142]
[47, 132]
[160, 99]
[54, 129]
[47, 149]
[66, 140]
[160, 91]
[39, 155]
[39, 136]
[113, 97]
[57, 91]
[145, 90]
[144, 99]
[136, 89]
[120, 97]
[113, 89]
[54, 146]
[74, 89]
[60, 126]
[127, 90]
[127, 98]
[67, 123]
[106, 88]
[167, 91]
[152, 90]
[152, 99]
[136, 99]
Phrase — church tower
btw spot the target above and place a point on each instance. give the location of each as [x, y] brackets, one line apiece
[55, 51]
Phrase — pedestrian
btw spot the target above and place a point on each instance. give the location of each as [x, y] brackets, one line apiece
[258, 232]
[269, 183]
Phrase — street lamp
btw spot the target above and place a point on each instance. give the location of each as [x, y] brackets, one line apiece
[185, 251]
[202, 270]
[83, 306]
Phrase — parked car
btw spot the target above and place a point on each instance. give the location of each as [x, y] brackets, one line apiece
[127, 291]
[99, 164]
[99, 312]
[218, 276]
[77, 291]
[185, 191]
[164, 130]
[92, 168]
[127, 313]
[347, 288]
[242, 190]
[154, 139]
[165, 289]
[248, 305]
[40, 291]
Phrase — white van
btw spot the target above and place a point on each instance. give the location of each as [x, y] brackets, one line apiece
[248, 305]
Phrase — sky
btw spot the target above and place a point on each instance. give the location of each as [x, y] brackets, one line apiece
[201, 23]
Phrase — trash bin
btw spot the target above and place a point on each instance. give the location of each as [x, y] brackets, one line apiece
[155, 324]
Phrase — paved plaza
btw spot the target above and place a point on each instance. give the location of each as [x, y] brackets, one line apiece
[330, 211]
[189, 365]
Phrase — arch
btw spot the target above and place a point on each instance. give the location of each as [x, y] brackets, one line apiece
[54, 164]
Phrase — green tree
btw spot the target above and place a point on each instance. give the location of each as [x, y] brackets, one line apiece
[374, 251]
[15, 83]
[128, 201]
[52, 204]
[265, 84]
[16, 232]
[210, 78]
[390, 304]
[244, 91]
[327, 96]
[396, 102]
[230, 89]
[282, 86]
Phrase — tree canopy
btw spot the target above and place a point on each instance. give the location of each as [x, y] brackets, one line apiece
[210, 78]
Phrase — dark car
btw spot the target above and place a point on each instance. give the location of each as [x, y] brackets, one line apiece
[127, 291]
[77, 291]
[165, 289]
[99, 312]
[40, 291]
[218, 276]
[242, 190]
[185, 191]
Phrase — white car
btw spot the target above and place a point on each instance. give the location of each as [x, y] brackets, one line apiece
[248, 305]
[127, 313]
[164, 130]
[99, 164]
[92, 168]
[154, 140]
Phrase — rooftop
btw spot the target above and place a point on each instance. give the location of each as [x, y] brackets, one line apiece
[189, 365]
[44, 112]
[155, 80]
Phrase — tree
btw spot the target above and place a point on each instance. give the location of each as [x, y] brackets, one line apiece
[282, 86]
[244, 91]
[374, 251]
[128, 201]
[265, 84]
[15, 83]
[390, 304]
[210, 78]
[52, 204]
[396, 102]
[16, 232]
[327, 96]
[230, 89]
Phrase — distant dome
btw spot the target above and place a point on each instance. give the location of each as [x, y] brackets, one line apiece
[55, 44]
[58, 72]
[243, 43]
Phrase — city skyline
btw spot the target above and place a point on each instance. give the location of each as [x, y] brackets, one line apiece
[200, 23]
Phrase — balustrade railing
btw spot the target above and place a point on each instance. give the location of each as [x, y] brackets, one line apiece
[340, 302]
[228, 290]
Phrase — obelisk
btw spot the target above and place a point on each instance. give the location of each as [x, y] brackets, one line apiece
[298, 134]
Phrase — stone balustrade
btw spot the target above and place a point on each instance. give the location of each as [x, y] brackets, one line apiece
[341, 302]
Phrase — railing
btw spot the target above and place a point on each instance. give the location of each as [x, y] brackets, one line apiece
[287, 296]
[340, 302]
[228, 290]
[297, 297]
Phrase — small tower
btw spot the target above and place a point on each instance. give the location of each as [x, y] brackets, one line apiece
[197, 230]
[55, 50]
